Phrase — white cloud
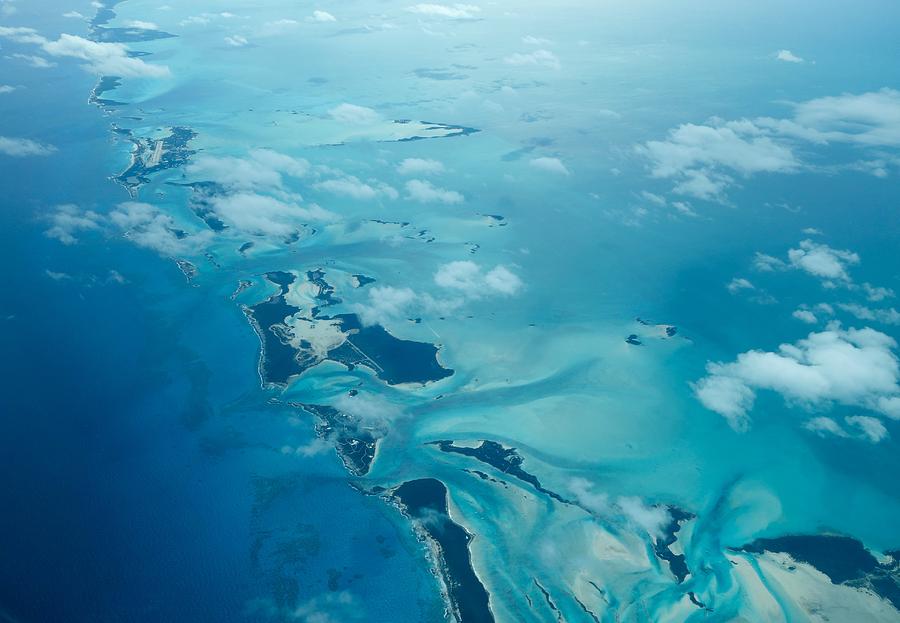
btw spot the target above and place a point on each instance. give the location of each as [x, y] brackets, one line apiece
[5, 88]
[804, 315]
[739, 283]
[866, 427]
[538, 58]
[21, 147]
[871, 428]
[853, 367]
[870, 119]
[350, 186]
[876, 294]
[552, 165]
[424, 191]
[702, 158]
[147, 226]
[885, 316]
[468, 278]
[822, 261]
[38, 62]
[583, 490]
[21, 34]
[652, 519]
[323, 16]
[68, 221]
[109, 59]
[385, 305]
[420, 166]
[372, 413]
[237, 41]
[454, 11]
[141, 25]
[262, 169]
[532, 40]
[788, 56]
[262, 215]
[352, 114]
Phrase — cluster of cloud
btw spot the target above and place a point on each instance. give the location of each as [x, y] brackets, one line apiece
[68, 221]
[370, 412]
[452, 11]
[144, 224]
[102, 58]
[549, 164]
[851, 367]
[352, 114]
[788, 57]
[424, 191]
[703, 161]
[537, 58]
[256, 200]
[23, 147]
[861, 427]
[817, 259]
[461, 280]
[832, 267]
[646, 518]
[420, 166]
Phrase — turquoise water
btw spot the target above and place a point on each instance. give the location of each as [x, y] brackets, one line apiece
[160, 471]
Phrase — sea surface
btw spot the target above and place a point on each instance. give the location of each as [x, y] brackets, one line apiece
[386, 311]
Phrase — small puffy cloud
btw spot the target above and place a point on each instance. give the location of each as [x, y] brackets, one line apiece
[738, 284]
[55, 276]
[468, 278]
[262, 169]
[871, 428]
[5, 88]
[804, 315]
[824, 426]
[768, 263]
[453, 11]
[583, 491]
[420, 166]
[322, 16]
[551, 165]
[22, 147]
[262, 215]
[532, 40]
[852, 367]
[147, 226]
[237, 41]
[351, 186]
[885, 316]
[876, 294]
[787, 56]
[68, 221]
[652, 519]
[702, 159]
[862, 427]
[870, 119]
[822, 261]
[385, 305]
[141, 25]
[424, 191]
[21, 34]
[538, 58]
[352, 114]
[38, 62]
[372, 413]
[108, 59]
